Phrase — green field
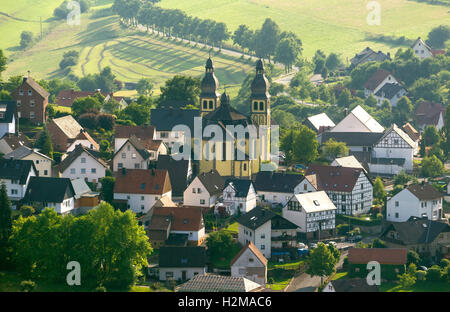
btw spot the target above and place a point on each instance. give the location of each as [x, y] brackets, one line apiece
[101, 42]
[331, 25]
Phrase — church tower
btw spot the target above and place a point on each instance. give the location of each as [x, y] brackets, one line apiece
[260, 97]
[209, 96]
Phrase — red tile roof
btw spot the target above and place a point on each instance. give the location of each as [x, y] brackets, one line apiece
[183, 218]
[377, 78]
[396, 256]
[427, 113]
[66, 97]
[141, 181]
[331, 178]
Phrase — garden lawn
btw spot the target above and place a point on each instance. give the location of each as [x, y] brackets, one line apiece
[420, 286]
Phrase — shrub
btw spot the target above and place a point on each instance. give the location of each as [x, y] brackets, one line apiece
[106, 121]
[420, 275]
[444, 263]
[434, 273]
[343, 229]
[27, 211]
[88, 120]
[171, 284]
[27, 286]
[100, 289]
[413, 257]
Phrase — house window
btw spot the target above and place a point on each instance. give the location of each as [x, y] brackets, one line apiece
[45, 172]
[305, 187]
[142, 207]
[263, 247]
[199, 190]
[133, 156]
[83, 170]
[31, 115]
[128, 148]
[30, 93]
[83, 160]
[250, 259]
[362, 196]
[169, 275]
[32, 103]
[93, 170]
[14, 192]
[343, 197]
[263, 236]
[124, 155]
[137, 166]
[194, 190]
[120, 165]
[362, 186]
[396, 215]
[20, 92]
[396, 204]
[72, 170]
[202, 201]
[142, 197]
[19, 102]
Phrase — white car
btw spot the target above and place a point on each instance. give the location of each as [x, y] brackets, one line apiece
[334, 244]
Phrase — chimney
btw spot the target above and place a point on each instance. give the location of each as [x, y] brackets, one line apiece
[25, 79]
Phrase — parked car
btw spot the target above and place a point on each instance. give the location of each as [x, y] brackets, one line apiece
[302, 246]
[423, 268]
[334, 244]
[312, 245]
[300, 166]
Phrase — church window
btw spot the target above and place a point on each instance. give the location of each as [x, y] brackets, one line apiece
[261, 105]
[255, 105]
[205, 104]
[245, 167]
[210, 104]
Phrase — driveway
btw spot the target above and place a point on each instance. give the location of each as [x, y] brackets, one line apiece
[307, 283]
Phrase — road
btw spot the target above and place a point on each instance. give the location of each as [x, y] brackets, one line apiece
[307, 283]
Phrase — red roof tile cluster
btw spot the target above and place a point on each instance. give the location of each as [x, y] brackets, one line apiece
[255, 251]
[141, 181]
[394, 256]
[427, 113]
[334, 178]
[183, 218]
[377, 78]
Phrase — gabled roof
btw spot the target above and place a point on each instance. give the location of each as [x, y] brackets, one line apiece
[35, 86]
[178, 172]
[424, 192]
[8, 111]
[353, 285]
[15, 141]
[315, 201]
[416, 230]
[68, 125]
[411, 132]
[48, 190]
[320, 120]
[141, 181]
[137, 144]
[80, 187]
[77, 152]
[67, 97]
[400, 132]
[348, 161]
[182, 257]
[184, 218]
[428, 113]
[330, 178]
[164, 201]
[218, 283]
[419, 40]
[24, 151]
[389, 90]
[140, 132]
[361, 116]
[282, 182]
[393, 256]
[374, 81]
[368, 55]
[212, 181]
[14, 169]
[250, 246]
[259, 216]
[241, 186]
[164, 119]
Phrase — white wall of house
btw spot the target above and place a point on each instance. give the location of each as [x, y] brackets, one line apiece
[140, 203]
[405, 205]
[275, 198]
[15, 190]
[130, 158]
[421, 51]
[197, 195]
[170, 137]
[85, 143]
[244, 204]
[394, 99]
[329, 288]
[388, 79]
[177, 273]
[43, 164]
[239, 267]
[7, 127]
[65, 207]
[194, 236]
[85, 167]
[261, 237]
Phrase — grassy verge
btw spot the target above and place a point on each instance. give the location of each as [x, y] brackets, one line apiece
[420, 286]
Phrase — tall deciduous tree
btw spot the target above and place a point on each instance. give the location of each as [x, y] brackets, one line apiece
[267, 39]
[321, 261]
[438, 36]
[333, 149]
[3, 61]
[5, 216]
[180, 89]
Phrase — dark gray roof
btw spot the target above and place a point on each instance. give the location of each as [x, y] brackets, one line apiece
[424, 192]
[277, 181]
[213, 182]
[178, 170]
[416, 230]
[49, 190]
[10, 111]
[15, 169]
[389, 90]
[182, 257]
[20, 153]
[241, 186]
[353, 285]
[15, 141]
[259, 216]
[164, 119]
[218, 283]
[225, 114]
[79, 149]
[353, 138]
[137, 145]
[280, 223]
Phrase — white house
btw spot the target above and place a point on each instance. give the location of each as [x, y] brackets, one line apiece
[421, 49]
[350, 189]
[181, 263]
[416, 200]
[57, 193]
[42, 163]
[276, 188]
[83, 163]
[358, 120]
[392, 92]
[16, 175]
[11, 141]
[137, 154]
[239, 195]
[313, 213]
[251, 264]
[347, 161]
[139, 189]
[123, 132]
[205, 190]
[377, 81]
[393, 152]
[7, 117]
[266, 230]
